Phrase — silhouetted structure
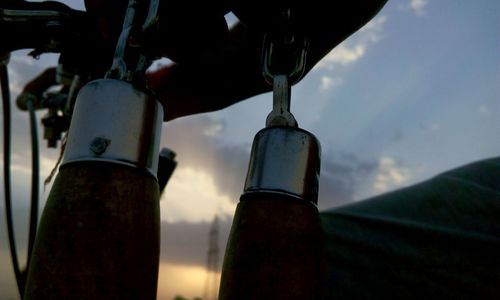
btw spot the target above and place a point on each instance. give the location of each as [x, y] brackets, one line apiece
[212, 279]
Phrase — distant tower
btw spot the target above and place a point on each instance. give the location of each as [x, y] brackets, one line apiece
[212, 280]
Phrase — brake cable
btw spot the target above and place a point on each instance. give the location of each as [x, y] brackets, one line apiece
[4, 81]
[20, 275]
[35, 182]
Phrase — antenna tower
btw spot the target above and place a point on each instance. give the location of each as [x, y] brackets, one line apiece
[212, 279]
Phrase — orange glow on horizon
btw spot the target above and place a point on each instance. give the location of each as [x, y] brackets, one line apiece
[184, 280]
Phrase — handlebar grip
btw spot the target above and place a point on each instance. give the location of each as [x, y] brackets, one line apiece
[275, 250]
[98, 236]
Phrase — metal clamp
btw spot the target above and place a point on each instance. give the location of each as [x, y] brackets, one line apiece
[119, 68]
[283, 64]
[276, 50]
[285, 161]
[98, 133]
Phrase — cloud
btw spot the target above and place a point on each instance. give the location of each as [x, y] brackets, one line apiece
[210, 172]
[23, 68]
[390, 175]
[187, 243]
[200, 145]
[328, 82]
[21, 162]
[355, 47]
[418, 7]
[344, 54]
[341, 177]
[192, 196]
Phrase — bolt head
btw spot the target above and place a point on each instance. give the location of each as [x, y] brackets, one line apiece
[99, 145]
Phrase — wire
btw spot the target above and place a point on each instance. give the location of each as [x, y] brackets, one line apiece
[35, 182]
[4, 83]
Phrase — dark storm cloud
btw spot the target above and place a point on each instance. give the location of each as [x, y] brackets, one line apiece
[341, 176]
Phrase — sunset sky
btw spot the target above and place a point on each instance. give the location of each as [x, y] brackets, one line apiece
[413, 93]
